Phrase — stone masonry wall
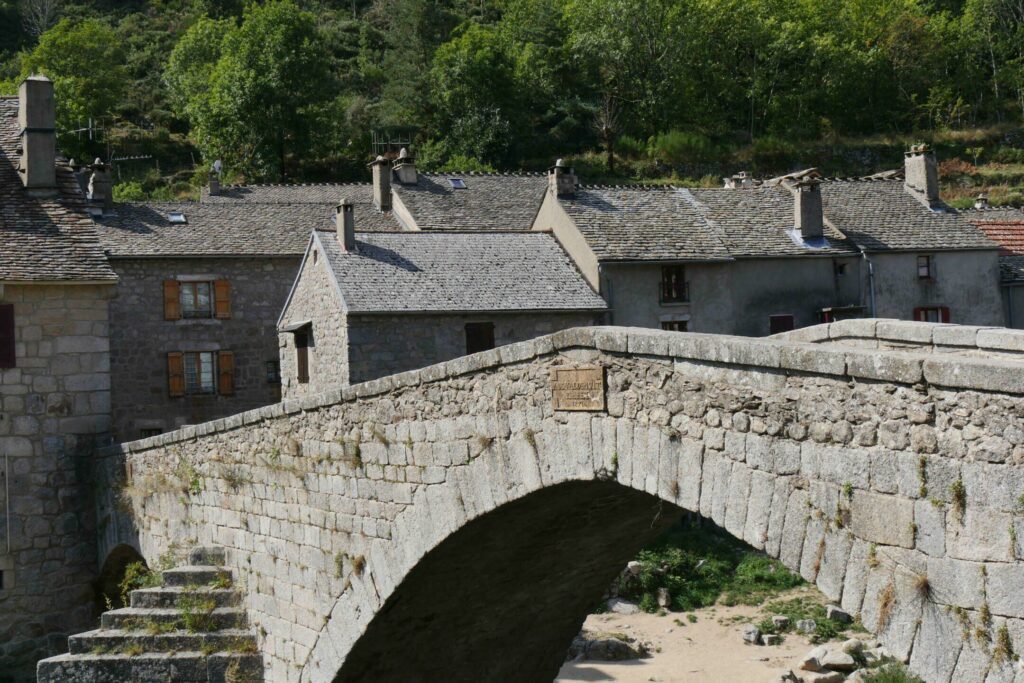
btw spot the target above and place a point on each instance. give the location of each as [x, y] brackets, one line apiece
[142, 339]
[315, 300]
[54, 406]
[382, 345]
[890, 479]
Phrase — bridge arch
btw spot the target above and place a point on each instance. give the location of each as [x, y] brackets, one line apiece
[862, 469]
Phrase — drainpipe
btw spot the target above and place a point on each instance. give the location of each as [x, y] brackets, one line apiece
[871, 281]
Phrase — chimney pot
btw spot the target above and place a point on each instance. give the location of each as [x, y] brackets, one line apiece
[810, 220]
[101, 190]
[37, 120]
[921, 173]
[345, 222]
[562, 179]
[405, 169]
[981, 201]
[215, 178]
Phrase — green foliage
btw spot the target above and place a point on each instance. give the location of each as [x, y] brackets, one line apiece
[801, 608]
[890, 672]
[197, 612]
[137, 575]
[699, 566]
[129, 192]
[677, 148]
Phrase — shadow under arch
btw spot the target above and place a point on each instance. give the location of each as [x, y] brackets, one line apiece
[502, 598]
[112, 573]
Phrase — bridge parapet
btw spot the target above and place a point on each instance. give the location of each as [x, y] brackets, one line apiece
[891, 478]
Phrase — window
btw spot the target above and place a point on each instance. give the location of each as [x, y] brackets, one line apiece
[457, 183]
[479, 337]
[840, 269]
[150, 431]
[197, 299]
[176, 217]
[7, 345]
[273, 372]
[302, 355]
[780, 323]
[199, 373]
[674, 287]
[925, 270]
[932, 314]
[1, 580]
[674, 325]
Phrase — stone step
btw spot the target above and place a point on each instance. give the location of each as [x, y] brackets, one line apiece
[196, 575]
[164, 667]
[148, 619]
[117, 641]
[168, 596]
[207, 555]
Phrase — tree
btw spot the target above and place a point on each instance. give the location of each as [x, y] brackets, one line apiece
[256, 94]
[37, 16]
[86, 64]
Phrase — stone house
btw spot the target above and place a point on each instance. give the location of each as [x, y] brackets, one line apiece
[55, 285]
[368, 305]
[1005, 227]
[760, 258]
[201, 287]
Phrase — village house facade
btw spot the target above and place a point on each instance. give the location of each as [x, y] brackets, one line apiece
[55, 285]
[762, 258]
[1005, 227]
[367, 305]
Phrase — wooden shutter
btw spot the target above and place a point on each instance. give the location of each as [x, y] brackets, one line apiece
[7, 356]
[225, 373]
[221, 299]
[944, 314]
[302, 356]
[172, 300]
[176, 373]
[919, 315]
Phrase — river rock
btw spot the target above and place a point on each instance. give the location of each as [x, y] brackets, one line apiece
[752, 635]
[812, 660]
[771, 639]
[835, 613]
[780, 622]
[806, 625]
[620, 606]
[839, 661]
[612, 650]
[824, 677]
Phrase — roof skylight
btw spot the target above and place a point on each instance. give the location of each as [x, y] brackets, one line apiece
[176, 217]
[457, 183]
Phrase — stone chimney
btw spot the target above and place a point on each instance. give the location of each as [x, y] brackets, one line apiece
[807, 212]
[562, 179]
[922, 173]
[345, 221]
[37, 120]
[405, 168]
[215, 178]
[381, 183]
[981, 201]
[101, 190]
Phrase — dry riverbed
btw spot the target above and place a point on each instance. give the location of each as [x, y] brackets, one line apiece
[711, 648]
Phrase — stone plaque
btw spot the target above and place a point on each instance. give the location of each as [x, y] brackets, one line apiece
[577, 388]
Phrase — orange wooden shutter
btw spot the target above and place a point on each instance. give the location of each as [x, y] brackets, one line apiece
[226, 373]
[176, 373]
[222, 299]
[172, 299]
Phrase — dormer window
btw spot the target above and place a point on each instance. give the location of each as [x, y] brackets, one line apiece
[176, 217]
[457, 183]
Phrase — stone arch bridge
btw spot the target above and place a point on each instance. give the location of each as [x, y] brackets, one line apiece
[450, 524]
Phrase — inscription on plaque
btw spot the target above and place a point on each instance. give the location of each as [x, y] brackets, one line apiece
[577, 388]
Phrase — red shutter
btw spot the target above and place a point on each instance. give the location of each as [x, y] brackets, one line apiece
[176, 374]
[7, 355]
[225, 373]
[919, 315]
[172, 300]
[222, 299]
[944, 314]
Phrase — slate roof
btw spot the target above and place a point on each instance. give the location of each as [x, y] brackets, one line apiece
[490, 201]
[1005, 227]
[367, 216]
[143, 229]
[637, 223]
[43, 239]
[456, 272]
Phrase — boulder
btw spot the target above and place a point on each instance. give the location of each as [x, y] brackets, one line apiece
[634, 568]
[836, 613]
[787, 677]
[806, 625]
[663, 597]
[837, 660]
[752, 635]
[780, 622]
[824, 677]
[620, 606]
[771, 639]
[612, 650]
[852, 646]
[812, 660]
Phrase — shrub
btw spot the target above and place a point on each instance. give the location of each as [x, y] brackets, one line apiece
[769, 153]
[129, 192]
[677, 148]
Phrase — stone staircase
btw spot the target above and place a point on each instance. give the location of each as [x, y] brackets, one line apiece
[191, 629]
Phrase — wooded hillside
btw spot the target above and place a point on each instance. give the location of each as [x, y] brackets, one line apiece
[646, 89]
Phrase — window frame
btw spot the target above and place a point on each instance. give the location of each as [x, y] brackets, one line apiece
[197, 357]
[928, 267]
[772, 319]
[273, 372]
[941, 313]
[195, 313]
[668, 288]
[675, 325]
[484, 327]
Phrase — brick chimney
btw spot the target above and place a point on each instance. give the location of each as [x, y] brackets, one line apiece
[405, 168]
[37, 120]
[562, 179]
[381, 183]
[101, 190]
[922, 173]
[345, 222]
[807, 213]
[215, 170]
